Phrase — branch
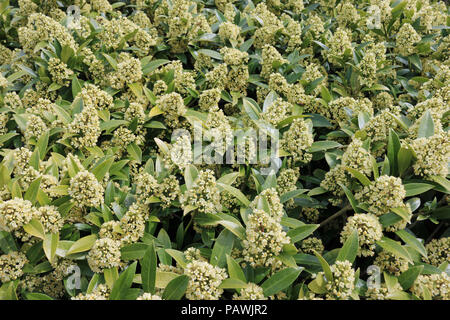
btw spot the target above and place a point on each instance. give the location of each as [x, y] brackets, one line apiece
[337, 214]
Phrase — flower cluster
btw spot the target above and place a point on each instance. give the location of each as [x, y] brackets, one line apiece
[204, 280]
[104, 254]
[391, 263]
[369, 232]
[385, 193]
[86, 190]
[343, 282]
[264, 240]
[225, 137]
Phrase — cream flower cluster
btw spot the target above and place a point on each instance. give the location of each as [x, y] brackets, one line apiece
[204, 194]
[391, 263]
[251, 292]
[264, 240]
[91, 110]
[385, 193]
[104, 254]
[343, 283]
[369, 232]
[86, 190]
[204, 280]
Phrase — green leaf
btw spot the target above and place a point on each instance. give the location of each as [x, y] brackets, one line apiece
[8, 290]
[271, 181]
[7, 242]
[163, 278]
[37, 296]
[76, 86]
[395, 248]
[93, 283]
[377, 87]
[426, 126]
[190, 175]
[325, 94]
[16, 75]
[153, 65]
[323, 145]
[72, 167]
[66, 53]
[349, 250]
[21, 122]
[412, 241]
[222, 248]
[35, 228]
[100, 169]
[325, 267]
[211, 53]
[54, 86]
[50, 245]
[135, 152]
[6, 137]
[178, 256]
[42, 144]
[302, 232]
[83, 244]
[360, 176]
[280, 280]
[32, 192]
[403, 213]
[176, 288]
[289, 249]
[136, 88]
[287, 259]
[110, 60]
[316, 191]
[404, 158]
[318, 285]
[235, 192]
[228, 178]
[148, 269]
[375, 171]
[123, 283]
[111, 275]
[234, 269]
[16, 191]
[351, 198]
[415, 61]
[407, 278]
[291, 194]
[251, 108]
[230, 283]
[413, 189]
[234, 226]
[133, 251]
[442, 182]
[35, 159]
[386, 167]
[392, 151]
[111, 124]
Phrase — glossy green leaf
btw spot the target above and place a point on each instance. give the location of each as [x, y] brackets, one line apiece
[280, 280]
[350, 248]
[176, 288]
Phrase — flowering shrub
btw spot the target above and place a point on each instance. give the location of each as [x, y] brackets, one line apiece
[226, 149]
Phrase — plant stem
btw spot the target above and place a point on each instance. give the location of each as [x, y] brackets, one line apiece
[189, 224]
[434, 232]
[337, 214]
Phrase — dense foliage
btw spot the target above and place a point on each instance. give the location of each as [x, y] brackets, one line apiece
[100, 199]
